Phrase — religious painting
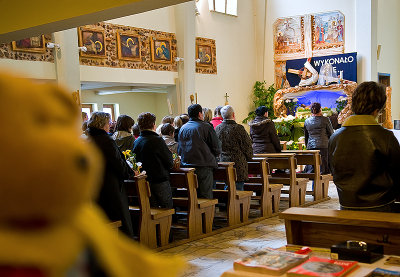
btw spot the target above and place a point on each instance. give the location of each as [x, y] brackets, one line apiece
[204, 54]
[94, 40]
[289, 35]
[327, 30]
[161, 50]
[32, 44]
[128, 45]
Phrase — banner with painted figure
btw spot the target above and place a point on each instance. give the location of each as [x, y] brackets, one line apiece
[345, 63]
[330, 69]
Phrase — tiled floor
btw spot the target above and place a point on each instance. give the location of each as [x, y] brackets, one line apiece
[213, 255]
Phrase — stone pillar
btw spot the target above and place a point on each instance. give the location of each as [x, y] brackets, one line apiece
[186, 48]
[67, 59]
[366, 39]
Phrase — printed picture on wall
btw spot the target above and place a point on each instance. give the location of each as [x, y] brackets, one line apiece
[32, 44]
[128, 46]
[161, 50]
[289, 35]
[204, 54]
[328, 30]
[94, 40]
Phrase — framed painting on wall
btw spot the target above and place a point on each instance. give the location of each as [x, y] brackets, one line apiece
[128, 45]
[94, 40]
[161, 50]
[289, 35]
[32, 44]
[327, 30]
[204, 54]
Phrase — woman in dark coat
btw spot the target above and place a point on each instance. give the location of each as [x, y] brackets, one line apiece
[263, 133]
[317, 131]
[112, 197]
[236, 144]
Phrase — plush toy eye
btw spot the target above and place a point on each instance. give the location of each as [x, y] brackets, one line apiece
[82, 163]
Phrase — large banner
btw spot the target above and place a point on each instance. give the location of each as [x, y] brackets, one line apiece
[345, 63]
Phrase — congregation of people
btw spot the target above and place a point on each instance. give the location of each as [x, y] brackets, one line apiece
[362, 156]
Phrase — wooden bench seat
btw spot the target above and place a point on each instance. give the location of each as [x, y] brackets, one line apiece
[155, 224]
[296, 186]
[199, 212]
[267, 195]
[325, 227]
[237, 202]
[321, 181]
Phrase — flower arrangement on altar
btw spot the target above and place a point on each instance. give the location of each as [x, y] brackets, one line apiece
[292, 145]
[131, 160]
[285, 126]
[341, 102]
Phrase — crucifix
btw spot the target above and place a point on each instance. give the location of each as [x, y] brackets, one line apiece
[226, 99]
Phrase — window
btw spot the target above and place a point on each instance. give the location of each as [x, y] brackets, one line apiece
[223, 6]
[109, 108]
[88, 109]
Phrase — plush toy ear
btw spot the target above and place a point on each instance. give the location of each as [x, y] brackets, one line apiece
[48, 170]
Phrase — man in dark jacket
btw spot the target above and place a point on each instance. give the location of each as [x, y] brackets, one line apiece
[364, 157]
[198, 147]
[156, 159]
[112, 197]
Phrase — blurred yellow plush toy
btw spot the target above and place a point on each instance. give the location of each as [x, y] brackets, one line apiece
[49, 176]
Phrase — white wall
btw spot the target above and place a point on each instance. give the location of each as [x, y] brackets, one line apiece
[236, 44]
[131, 104]
[29, 69]
[389, 38]
[287, 8]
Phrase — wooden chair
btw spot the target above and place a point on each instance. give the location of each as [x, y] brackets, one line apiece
[267, 195]
[199, 212]
[324, 227]
[155, 224]
[297, 186]
[237, 202]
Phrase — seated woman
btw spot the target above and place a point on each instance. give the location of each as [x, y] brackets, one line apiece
[364, 157]
[112, 198]
[317, 131]
[263, 133]
[123, 132]
[236, 145]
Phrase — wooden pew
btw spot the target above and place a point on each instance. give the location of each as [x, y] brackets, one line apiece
[321, 181]
[199, 212]
[155, 224]
[324, 227]
[237, 202]
[297, 186]
[267, 195]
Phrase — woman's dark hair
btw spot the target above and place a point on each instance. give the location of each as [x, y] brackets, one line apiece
[315, 108]
[136, 130]
[194, 110]
[217, 111]
[185, 118]
[368, 97]
[260, 111]
[146, 121]
[124, 123]
[167, 129]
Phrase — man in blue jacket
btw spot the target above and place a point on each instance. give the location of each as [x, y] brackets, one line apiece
[198, 147]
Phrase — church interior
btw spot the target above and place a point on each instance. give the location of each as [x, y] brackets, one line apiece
[130, 57]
